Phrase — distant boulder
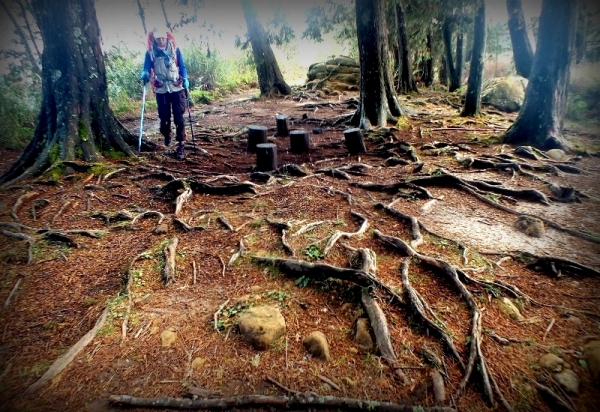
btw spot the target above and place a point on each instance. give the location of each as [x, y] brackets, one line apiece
[504, 93]
[339, 73]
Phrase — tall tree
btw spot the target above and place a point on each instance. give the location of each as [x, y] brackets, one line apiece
[426, 64]
[378, 102]
[75, 121]
[142, 15]
[270, 79]
[581, 33]
[406, 81]
[24, 38]
[454, 65]
[522, 51]
[540, 121]
[473, 98]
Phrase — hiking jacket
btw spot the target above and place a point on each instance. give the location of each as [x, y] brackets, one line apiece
[166, 67]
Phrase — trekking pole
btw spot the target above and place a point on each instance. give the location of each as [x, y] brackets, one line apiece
[189, 103]
[142, 120]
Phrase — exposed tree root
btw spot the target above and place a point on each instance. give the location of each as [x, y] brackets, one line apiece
[415, 232]
[558, 266]
[170, 269]
[337, 173]
[38, 204]
[12, 292]
[113, 173]
[550, 395]
[418, 304]
[65, 359]
[308, 227]
[19, 202]
[182, 199]
[322, 271]
[283, 227]
[60, 211]
[168, 177]
[174, 186]
[148, 213]
[338, 234]
[240, 252]
[450, 271]
[303, 401]
[223, 220]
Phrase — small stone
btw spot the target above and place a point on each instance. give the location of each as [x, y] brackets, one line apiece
[349, 382]
[354, 351]
[509, 309]
[261, 326]
[316, 344]
[318, 130]
[168, 337]
[551, 362]
[363, 337]
[568, 380]
[161, 229]
[198, 363]
[592, 357]
[556, 154]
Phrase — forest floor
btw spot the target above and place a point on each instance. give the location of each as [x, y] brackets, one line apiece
[67, 258]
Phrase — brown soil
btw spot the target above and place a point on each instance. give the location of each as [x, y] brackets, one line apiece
[63, 291]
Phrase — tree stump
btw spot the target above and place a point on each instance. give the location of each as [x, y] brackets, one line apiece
[256, 135]
[266, 157]
[282, 126]
[354, 141]
[299, 141]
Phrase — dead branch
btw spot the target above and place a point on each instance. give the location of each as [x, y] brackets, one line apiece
[194, 272]
[548, 329]
[12, 292]
[279, 385]
[19, 202]
[65, 359]
[339, 234]
[148, 213]
[170, 269]
[329, 382]
[181, 199]
[304, 401]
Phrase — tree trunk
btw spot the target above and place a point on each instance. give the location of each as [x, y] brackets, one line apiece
[522, 51]
[580, 34]
[456, 79]
[450, 69]
[75, 120]
[270, 79]
[427, 63]
[33, 62]
[540, 121]
[443, 73]
[406, 80]
[378, 102]
[473, 97]
[142, 15]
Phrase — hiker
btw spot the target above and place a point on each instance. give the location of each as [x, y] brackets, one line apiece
[164, 65]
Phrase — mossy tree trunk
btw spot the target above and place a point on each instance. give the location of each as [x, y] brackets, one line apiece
[378, 103]
[540, 121]
[406, 81]
[270, 79]
[522, 51]
[473, 98]
[75, 121]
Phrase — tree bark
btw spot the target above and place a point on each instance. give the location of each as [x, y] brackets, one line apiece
[454, 65]
[473, 98]
[522, 51]
[540, 121]
[75, 120]
[580, 34]
[406, 80]
[427, 63]
[142, 15]
[378, 102]
[270, 79]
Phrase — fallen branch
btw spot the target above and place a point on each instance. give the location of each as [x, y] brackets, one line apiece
[65, 359]
[12, 292]
[19, 202]
[279, 402]
[279, 385]
[60, 211]
[548, 329]
[38, 203]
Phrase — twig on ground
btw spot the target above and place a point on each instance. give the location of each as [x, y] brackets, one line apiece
[548, 329]
[216, 315]
[12, 292]
[285, 388]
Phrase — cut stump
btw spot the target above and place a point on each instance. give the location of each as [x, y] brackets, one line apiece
[266, 157]
[354, 141]
[299, 141]
[256, 135]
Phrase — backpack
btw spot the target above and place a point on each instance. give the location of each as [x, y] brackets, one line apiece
[165, 69]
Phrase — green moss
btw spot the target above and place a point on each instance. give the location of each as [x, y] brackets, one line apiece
[113, 154]
[84, 133]
[54, 154]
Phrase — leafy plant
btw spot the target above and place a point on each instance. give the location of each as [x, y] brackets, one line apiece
[314, 252]
[302, 281]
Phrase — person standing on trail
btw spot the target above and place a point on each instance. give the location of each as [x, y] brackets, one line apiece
[164, 66]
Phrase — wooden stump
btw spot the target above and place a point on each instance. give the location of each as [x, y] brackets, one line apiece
[354, 141]
[256, 135]
[266, 157]
[282, 126]
[299, 141]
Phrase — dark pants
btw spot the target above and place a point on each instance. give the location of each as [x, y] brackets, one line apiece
[172, 103]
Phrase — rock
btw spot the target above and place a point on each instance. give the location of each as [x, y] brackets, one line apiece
[198, 363]
[353, 351]
[316, 344]
[363, 336]
[510, 310]
[591, 355]
[338, 73]
[168, 337]
[261, 326]
[574, 320]
[504, 93]
[568, 380]
[551, 362]
[556, 154]
[161, 229]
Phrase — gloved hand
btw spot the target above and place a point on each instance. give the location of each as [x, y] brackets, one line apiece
[186, 84]
[145, 76]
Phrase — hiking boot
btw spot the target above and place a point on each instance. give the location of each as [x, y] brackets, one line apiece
[167, 140]
[179, 152]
